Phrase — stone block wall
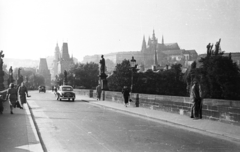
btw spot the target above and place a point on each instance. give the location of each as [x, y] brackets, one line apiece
[85, 92]
[214, 109]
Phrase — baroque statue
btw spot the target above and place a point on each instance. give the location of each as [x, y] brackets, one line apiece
[1, 71]
[102, 65]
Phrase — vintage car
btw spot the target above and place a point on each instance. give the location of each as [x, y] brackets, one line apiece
[42, 89]
[65, 92]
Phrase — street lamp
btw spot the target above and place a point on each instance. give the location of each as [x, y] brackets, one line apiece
[132, 64]
[34, 83]
[74, 75]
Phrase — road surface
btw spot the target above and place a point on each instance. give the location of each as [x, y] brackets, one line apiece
[82, 126]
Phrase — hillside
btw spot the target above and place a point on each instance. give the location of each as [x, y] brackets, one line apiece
[15, 63]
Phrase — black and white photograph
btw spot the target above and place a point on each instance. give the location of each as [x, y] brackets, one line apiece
[119, 75]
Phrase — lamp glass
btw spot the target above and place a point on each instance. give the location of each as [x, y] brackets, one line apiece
[133, 62]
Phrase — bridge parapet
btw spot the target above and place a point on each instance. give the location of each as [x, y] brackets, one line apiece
[214, 109]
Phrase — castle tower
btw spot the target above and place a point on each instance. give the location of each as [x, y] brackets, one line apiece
[65, 62]
[153, 36]
[57, 53]
[154, 39]
[64, 52]
[57, 57]
[44, 71]
[155, 58]
[152, 43]
[154, 49]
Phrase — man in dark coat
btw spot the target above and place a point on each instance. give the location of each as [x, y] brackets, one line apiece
[126, 94]
[196, 100]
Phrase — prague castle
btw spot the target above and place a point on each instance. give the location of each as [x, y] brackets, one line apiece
[62, 60]
[152, 55]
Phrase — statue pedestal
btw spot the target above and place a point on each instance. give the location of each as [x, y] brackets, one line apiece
[10, 79]
[103, 81]
[1, 80]
[19, 80]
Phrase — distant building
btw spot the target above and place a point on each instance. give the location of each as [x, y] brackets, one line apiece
[62, 60]
[44, 71]
[152, 55]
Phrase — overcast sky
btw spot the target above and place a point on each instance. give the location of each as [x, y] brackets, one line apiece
[31, 28]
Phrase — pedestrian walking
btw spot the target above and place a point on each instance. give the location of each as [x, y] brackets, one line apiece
[200, 101]
[99, 91]
[11, 97]
[55, 90]
[126, 94]
[23, 93]
[196, 100]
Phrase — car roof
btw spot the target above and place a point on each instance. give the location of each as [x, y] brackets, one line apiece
[66, 86]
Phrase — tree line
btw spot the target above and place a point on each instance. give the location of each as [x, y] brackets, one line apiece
[30, 76]
[217, 74]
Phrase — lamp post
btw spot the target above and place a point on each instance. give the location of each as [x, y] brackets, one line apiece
[34, 79]
[26, 79]
[132, 64]
[74, 75]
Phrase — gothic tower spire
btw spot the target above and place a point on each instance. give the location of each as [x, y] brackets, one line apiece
[44, 71]
[162, 40]
[149, 41]
[153, 36]
[144, 47]
[155, 57]
[155, 49]
[57, 53]
[64, 53]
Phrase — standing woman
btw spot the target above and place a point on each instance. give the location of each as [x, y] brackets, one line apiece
[12, 96]
[23, 92]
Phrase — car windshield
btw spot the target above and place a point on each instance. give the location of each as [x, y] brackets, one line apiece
[67, 89]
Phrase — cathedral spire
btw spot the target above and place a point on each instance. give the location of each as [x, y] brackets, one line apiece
[149, 41]
[155, 54]
[144, 47]
[162, 40]
[153, 36]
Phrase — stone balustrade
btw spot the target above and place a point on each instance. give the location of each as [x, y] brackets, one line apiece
[215, 109]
